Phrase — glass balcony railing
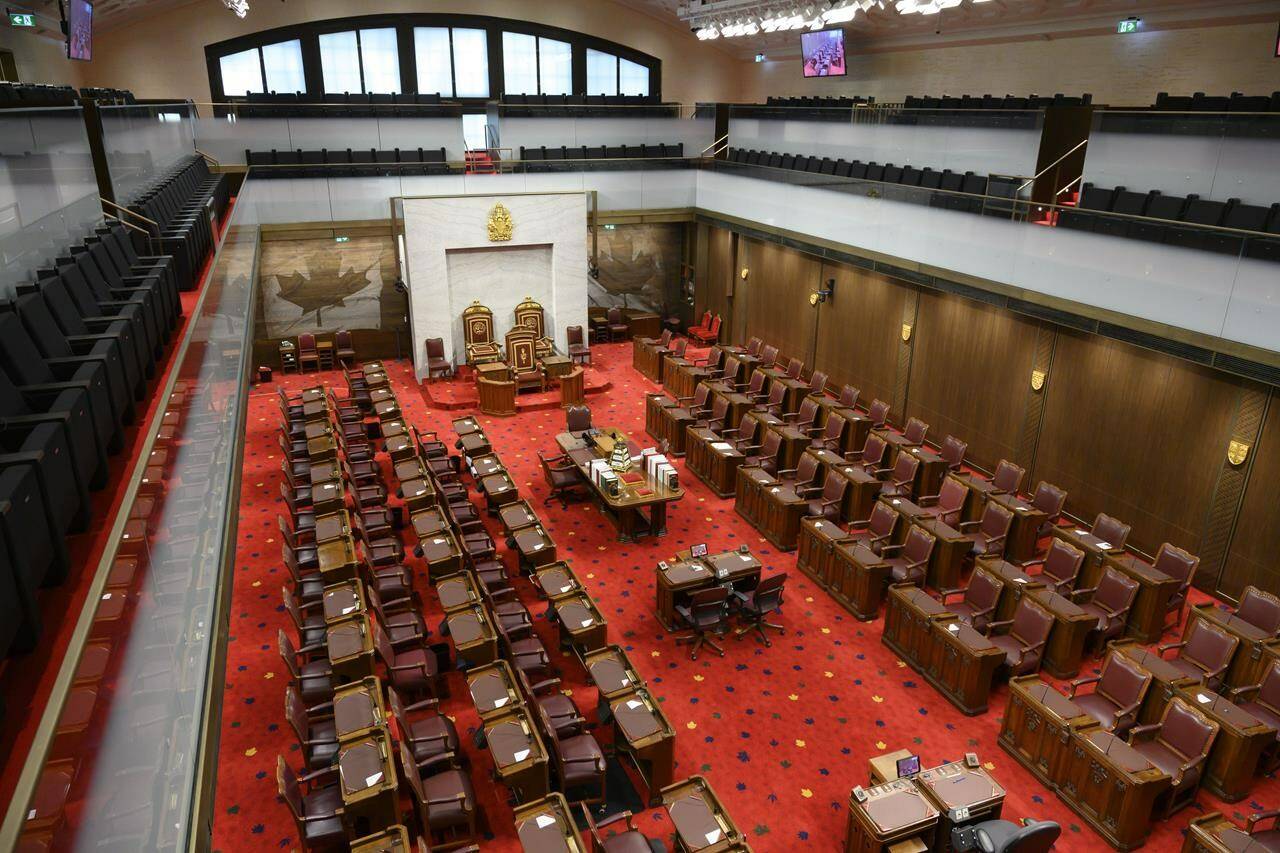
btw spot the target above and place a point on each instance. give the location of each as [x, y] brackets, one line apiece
[142, 141]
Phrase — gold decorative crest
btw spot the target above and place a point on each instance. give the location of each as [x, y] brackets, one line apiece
[500, 224]
[1037, 380]
[1237, 452]
[906, 332]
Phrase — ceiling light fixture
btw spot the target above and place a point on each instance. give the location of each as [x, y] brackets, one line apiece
[240, 7]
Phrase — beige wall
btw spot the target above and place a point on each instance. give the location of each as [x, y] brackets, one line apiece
[1119, 70]
[162, 55]
[39, 60]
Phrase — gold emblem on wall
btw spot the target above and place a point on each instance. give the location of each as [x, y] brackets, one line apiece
[906, 332]
[1237, 452]
[1037, 380]
[500, 224]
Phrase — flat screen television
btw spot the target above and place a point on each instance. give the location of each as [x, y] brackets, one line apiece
[823, 53]
[80, 29]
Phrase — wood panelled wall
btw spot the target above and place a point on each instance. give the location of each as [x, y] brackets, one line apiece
[1136, 434]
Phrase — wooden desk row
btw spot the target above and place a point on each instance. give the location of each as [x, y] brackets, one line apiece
[685, 574]
[924, 809]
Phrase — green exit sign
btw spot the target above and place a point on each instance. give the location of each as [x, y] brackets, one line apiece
[1128, 25]
[22, 19]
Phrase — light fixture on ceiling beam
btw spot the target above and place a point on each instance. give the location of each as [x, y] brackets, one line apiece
[239, 7]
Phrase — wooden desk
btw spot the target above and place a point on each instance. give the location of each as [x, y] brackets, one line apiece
[612, 672]
[957, 786]
[1112, 786]
[1214, 833]
[337, 559]
[466, 426]
[322, 447]
[557, 579]
[1254, 654]
[1071, 625]
[963, 665]
[312, 394]
[458, 592]
[643, 324]
[1146, 616]
[665, 419]
[713, 461]
[484, 466]
[548, 826]
[685, 575]
[393, 839]
[815, 554]
[794, 442]
[642, 731]
[358, 709]
[647, 359]
[387, 410]
[343, 599]
[350, 647]
[493, 690]
[894, 812]
[1024, 531]
[1166, 681]
[473, 444]
[394, 428]
[556, 366]
[475, 640]
[581, 626]
[908, 621]
[516, 515]
[862, 489]
[626, 509]
[782, 510]
[367, 778]
[1237, 750]
[864, 576]
[1016, 584]
[1038, 725]
[750, 483]
[701, 822]
[325, 472]
[1095, 551]
[335, 525]
[428, 523]
[493, 371]
[681, 377]
[315, 410]
[534, 547]
[498, 490]
[929, 474]
[442, 555]
[950, 547]
[519, 758]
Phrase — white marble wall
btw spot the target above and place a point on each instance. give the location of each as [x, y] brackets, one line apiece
[450, 262]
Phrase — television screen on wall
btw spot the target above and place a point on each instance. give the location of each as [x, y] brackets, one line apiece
[823, 53]
[79, 29]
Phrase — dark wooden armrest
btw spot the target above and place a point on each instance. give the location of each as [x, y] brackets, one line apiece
[969, 525]
[317, 774]
[1236, 692]
[546, 682]
[887, 548]
[944, 594]
[1141, 731]
[1079, 682]
[423, 705]
[999, 623]
[1269, 814]
[1161, 649]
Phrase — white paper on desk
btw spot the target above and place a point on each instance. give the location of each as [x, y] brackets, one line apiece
[521, 755]
[539, 545]
[370, 781]
[566, 587]
[713, 836]
[1024, 509]
[1019, 580]
[438, 541]
[500, 701]
[745, 557]
[634, 703]
[348, 609]
[721, 445]
[587, 622]
[1203, 699]
[543, 821]
[1080, 532]
[953, 628]
[625, 681]
[1106, 546]
[896, 501]
[774, 490]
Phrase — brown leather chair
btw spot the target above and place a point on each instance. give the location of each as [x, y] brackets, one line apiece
[753, 346]
[628, 840]
[523, 650]
[828, 502]
[1117, 696]
[878, 413]
[818, 384]
[743, 436]
[804, 419]
[754, 388]
[769, 356]
[617, 327]
[313, 676]
[307, 586]
[765, 456]
[308, 355]
[1023, 646]
[1265, 705]
[849, 397]
[1264, 840]
[774, 402]
[579, 351]
[804, 475]
[832, 436]
[411, 668]
[876, 531]
[871, 456]
[315, 801]
[443, 794]
[1113, 531]
[953, 451]
[1204, 653]
[947, 504]
[344, 349]
[901, 482]
[579, 760]
[401, 618]
[794, 368]
[1260, 609]
[988, 533]
[437, 363]
[313, 727]
[718, 417]
[428, 736]
[907, 561]
[311, 626]
[1050, 500]
[706, 613]
[980, 599]
[1109, 603]
[1005, 481]
[1059, 568]
[914, 434]
[1179, 745]
[577, 419]
[1176, 563]
[756, 606]
[561, 714]
[563, 479]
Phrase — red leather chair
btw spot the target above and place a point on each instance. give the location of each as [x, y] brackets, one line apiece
[1265, 705]
[901, 482]
[743, 436]
[988, 533]
[818, 384]
[878, 413]
[709, 335]
[1176, 563]
[579, 351]
[1204, 653]
[753, 346]
[313, 678]
[343, 348]
[804, 475]
[437, 363]
[443, 794]
[307, 352]
[769, 356]
[1005, 481]
[617, 327]
[706, 613]
[427, 736]
[953, 451]
[313, 727]
[1110, 530]
[1050, 500]
[979, 600]
[907, 561]
[947, 504]
[871, 456]
[580, 762]
[849, 397]
[703, 326]
[826, 502]
[1261, 610]
[804, 419]
[563, 479]
[832, 436]
[315, 807]
[411, 668]
[559, 711]
[1023, 646]
[1117, 696]
[773, 404]
[1179, 745]
[577, 419]
[629, 840]
[311, 626]
[1060, 567]
[874, 532]
[765, 457]
[1109, 603]
[523, 650]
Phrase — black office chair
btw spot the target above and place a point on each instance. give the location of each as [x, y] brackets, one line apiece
[756, 606]
[1002, 836]
[707, 612]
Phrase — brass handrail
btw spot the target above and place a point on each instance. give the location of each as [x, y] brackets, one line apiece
[128, 211]
[128, 225]
[209, 158]
[1074, 148]
[715, 144]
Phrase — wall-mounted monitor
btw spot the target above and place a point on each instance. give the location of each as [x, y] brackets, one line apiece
[823, 53]
[80, 29]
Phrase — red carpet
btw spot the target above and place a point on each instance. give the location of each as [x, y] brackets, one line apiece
[782, 733]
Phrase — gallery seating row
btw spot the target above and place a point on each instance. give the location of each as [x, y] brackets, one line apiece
[586, 106]
[36, 95]
[108, 96]
[955, 191]
[643, 151]
[77, 348]
[347, 162]
[1192, 209]
[341, 105]
[801, 108]
[1236, 102]
[1256, 116]
[181, 210]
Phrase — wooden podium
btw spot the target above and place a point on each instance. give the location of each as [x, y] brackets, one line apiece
[1038, 725]
[893, 813]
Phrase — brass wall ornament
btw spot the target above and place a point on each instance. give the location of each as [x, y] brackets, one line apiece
[500, 224]
[906, 332]
[1037, 380]
[745, 272]
[1237, 452]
